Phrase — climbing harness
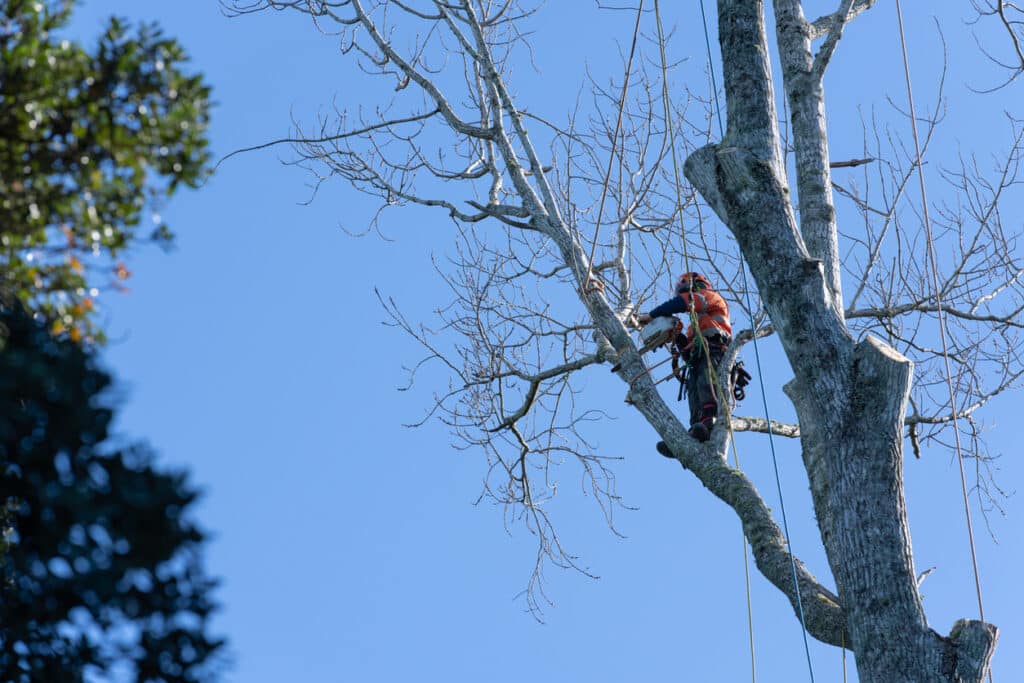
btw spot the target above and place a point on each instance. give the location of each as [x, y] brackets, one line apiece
[667, 332]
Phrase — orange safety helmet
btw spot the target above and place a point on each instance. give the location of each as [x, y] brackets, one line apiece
[691, 282]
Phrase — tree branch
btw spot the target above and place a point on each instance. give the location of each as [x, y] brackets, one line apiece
[382, 125]
[805, 93]
[824, 616]
[535, 381]
[835, 32]
[823, 25]
[760, 425]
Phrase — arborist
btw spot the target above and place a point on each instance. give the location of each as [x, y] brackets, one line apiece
[702, 354]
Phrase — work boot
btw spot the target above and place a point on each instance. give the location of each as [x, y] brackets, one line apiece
[700, 431]
[664, 450]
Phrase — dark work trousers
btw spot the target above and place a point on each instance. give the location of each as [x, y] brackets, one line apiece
[700, 385]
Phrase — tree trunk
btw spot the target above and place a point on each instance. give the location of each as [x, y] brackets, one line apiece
[850, 397]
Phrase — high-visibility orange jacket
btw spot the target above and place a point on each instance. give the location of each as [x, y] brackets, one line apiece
[710, 308]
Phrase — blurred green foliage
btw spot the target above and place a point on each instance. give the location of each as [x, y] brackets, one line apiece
[100, 558]
[100, 574]
[92, 140]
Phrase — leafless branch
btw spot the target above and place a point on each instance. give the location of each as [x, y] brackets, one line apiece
[835, 32]
[1010, 17]
[823, 25]
[761, 426]
[519, 332]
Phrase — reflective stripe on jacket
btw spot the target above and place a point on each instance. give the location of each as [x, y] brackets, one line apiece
[712, 314]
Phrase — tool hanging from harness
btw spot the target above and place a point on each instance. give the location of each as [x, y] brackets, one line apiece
[667, 331]
[739, 378]
[674, 339]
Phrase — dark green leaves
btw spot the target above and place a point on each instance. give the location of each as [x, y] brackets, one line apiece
[93, 139]
[100, 567]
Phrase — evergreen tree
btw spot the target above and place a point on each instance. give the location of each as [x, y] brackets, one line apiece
[101, 571]
[100, 561]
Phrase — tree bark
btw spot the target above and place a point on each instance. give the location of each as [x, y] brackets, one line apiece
[802, 76]
[850, 398]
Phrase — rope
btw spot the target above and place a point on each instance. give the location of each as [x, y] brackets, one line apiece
[588, 286]
[760, 377]
[671, 136]
[719, 394]
[842, 644]
[778, 486]
[941, 315]
[711, 68]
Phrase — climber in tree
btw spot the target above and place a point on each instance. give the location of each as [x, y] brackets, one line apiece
[709, 311]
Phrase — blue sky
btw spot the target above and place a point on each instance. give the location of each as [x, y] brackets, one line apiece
[349, 546]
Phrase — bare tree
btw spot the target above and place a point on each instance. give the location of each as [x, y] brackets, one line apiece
[595, 220]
